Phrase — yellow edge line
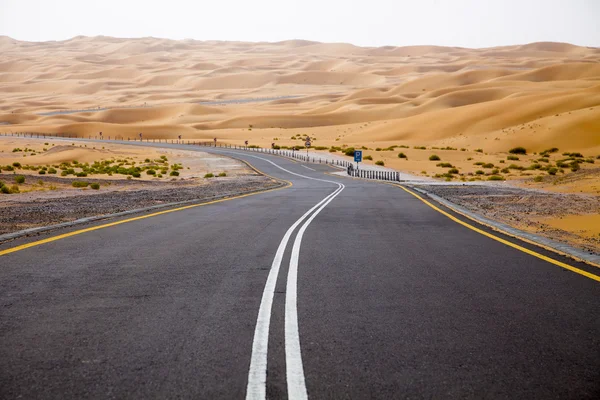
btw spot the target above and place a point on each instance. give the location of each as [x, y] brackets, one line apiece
[506, 242]
[94, 228]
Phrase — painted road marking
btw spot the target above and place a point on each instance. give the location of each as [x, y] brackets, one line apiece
[257, 374]
[296, 386]
[307, 167]
[506, 242]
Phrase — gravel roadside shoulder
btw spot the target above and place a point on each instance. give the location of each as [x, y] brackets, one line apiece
[20, 212]
[525, 209]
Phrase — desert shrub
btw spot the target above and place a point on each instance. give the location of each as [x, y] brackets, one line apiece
[79, 184]
[502, 162]
[95, 186]
[574, 155]
[20, 179]
[379, 162]
[150, 172]
[479, 172]
[136, 174]
[445, 165]
[209, 175]
[4, 189]
[495, 171]
[402, 155]
[16, 164]
[378, 149]
[420, 148]
[434, 157]
[14, 189]
[316, 147]
[590, 161]
[453, 171]
[8, 168]
[370, 158]
[253, 146]
[164, 158]
[479, 163]
[552, 170]
[349, 151]
[479, 150]
[518, 150]
[42, 172]
[81, 174]
[222, 174]
[463, 149]
[534, 166]
[495, 178]
[538, 178]
[488, 165]
[512, 158]
[174, 173]
[505, 170]
[575, 166]
[51, 171]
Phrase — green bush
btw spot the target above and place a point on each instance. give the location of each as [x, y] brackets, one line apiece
[42, 172]
[4, 189]
[8, 168]
[575, 166]
[518, 150]
[174, 173]
[479, 150]
[495, 178]
[95, 186]
[552, 171]
[136, 174]
[19, 179]
[222, 174]
[445, 165]
[379, 162]
[420, 148]
[150, 172]
[51, 171]
[81, 174]
[453, 171]
[479, 172]
[79, 184]
[402, 155]
[209, 175]
[538, 179]
[349, 151]
[434, 157]
[505, 170]
[488, 165]
[370, 158]
[16, 164]
[512, 158]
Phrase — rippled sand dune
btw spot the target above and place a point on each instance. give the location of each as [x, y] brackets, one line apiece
[537, 95]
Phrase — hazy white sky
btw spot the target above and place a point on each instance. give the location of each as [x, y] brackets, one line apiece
[468, 23]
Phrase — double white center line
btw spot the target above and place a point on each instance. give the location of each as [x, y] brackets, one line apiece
[257, 375]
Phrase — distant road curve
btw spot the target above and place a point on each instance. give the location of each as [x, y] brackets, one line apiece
[204, 103]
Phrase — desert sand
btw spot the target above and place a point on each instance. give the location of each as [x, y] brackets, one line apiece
[467, 106]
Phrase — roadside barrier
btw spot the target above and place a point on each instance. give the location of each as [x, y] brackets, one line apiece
[293, 154]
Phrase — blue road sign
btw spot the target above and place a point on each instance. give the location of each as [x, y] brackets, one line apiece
[358, 155]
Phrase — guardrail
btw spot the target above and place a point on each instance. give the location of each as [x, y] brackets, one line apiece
[293, 154]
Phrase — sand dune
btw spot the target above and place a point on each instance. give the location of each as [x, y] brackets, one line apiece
[539, 94]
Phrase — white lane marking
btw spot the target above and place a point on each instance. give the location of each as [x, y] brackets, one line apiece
[257, 374]
[307, 167]
[296, 386]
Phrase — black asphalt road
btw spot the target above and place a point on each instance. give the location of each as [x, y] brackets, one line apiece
[395, 300]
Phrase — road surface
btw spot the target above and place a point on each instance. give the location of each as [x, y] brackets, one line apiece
[332, 288]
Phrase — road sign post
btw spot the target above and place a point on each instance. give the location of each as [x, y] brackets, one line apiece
[307, 144]
[357, 157]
